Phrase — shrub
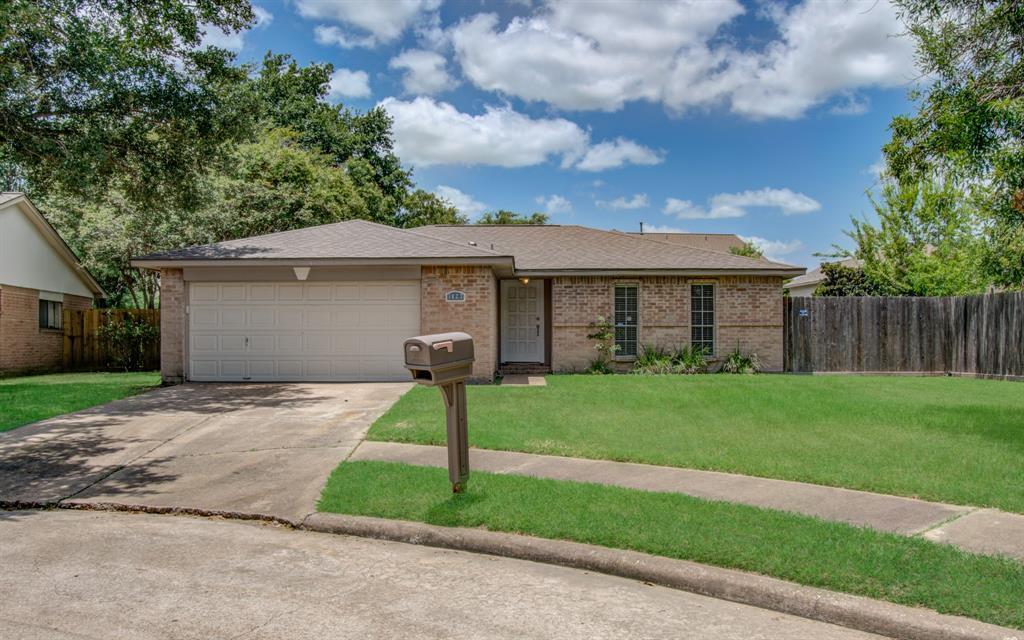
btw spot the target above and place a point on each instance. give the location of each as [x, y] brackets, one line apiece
[600, 367]
[128, 340]
[690, 359]
[603, 333]
[653, 360]
[736, 362]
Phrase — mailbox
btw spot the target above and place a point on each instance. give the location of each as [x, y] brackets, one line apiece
[445, 361]
[439, 358]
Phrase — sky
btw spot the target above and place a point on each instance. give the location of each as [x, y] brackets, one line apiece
[763, 119]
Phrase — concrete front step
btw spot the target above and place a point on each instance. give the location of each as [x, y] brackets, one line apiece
[982, 531]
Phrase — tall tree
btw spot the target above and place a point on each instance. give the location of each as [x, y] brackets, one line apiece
[100, 93]
[925, 243]
[748, 249]
[970, 119]
[504, 216]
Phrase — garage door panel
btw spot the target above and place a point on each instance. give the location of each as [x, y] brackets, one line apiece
[341, 331]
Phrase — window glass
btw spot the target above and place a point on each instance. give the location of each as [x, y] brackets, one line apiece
[702, 317]
[626, 320]
[50, 314]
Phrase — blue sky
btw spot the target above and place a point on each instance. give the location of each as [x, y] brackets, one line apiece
[757, 118]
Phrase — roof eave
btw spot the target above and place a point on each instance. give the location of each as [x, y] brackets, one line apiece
[178, 263]
[551, 273]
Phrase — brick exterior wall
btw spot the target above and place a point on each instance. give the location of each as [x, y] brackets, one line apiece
[24, 347]
[477, 315]
[172, 326]
[748, 314]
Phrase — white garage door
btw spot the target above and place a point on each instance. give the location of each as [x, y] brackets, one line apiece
[322, 331]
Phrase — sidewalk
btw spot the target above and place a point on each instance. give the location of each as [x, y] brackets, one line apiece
[978, 530]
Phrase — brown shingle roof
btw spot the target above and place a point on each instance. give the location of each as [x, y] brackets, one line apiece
[712, 241]
[350, 239]
[543, 248]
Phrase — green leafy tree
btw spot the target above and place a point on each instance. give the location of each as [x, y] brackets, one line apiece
[101, 93]
[423, 207]
[969, 125]
[504, 216]
[748, 249]
[841, 280]
[925, 242]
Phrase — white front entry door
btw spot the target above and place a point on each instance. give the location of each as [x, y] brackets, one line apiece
[313, 331]
[522, 321]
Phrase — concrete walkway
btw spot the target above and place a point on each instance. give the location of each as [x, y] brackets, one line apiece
[255, 449]
[979, 530]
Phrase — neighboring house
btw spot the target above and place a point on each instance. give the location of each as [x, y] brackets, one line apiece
[805, 285]
[39, 278]
[335, 302]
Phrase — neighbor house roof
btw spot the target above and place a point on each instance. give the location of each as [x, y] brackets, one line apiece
[570, 248]
[713, 241]
[46, 230]
[352, 240]
[815, 276]
[531, 249]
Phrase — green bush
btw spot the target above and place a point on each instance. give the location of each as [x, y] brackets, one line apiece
[128, 341]
[656, 360]
[736, 362]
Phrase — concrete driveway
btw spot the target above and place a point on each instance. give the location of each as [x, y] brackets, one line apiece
[261, 449]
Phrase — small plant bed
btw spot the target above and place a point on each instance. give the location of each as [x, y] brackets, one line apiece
[945, 439]
[805, 550]
[31, 398]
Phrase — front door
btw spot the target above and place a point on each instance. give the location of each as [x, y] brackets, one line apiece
[522, 321]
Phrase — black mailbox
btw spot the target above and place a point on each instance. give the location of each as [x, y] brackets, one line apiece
[445, 360]
[439, 358]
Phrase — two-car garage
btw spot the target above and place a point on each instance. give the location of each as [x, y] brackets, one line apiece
[300, 331]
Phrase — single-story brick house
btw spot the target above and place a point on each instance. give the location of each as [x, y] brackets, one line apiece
[335, 302]
[39, 277]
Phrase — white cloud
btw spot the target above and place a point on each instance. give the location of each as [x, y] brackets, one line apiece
[378, 22]
[608, 155]
[773, 249]
[425, 72]
[735, 205]
[430, 132]
[599, 56]
[215, 37]
[554, 204]
[346, 83]
[463, 202]
[638, 201]
[655, 228]
[851, 105]
[876, 168]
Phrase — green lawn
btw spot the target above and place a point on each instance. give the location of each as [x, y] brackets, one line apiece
[31, 398]
[946, 439]
[806, 550]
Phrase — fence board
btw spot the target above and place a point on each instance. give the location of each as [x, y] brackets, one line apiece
[85, 350]
[974, 334]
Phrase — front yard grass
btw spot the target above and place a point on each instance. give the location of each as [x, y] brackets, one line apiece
[30, 398]
[945, 439]
[801, 549]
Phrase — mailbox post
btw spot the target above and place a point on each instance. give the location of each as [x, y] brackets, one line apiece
[445, 360]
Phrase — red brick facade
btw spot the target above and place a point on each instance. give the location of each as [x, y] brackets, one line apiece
[24, 346]
[477, 315]
[748, 315]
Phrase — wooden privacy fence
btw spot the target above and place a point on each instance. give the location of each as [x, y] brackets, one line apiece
[85, 349]
[982, 335]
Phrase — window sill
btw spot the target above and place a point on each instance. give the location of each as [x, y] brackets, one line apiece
[48, 330]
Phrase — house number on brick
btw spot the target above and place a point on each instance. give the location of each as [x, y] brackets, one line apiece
[455, 296]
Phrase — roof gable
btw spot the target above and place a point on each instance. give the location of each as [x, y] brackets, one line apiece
[34, 256]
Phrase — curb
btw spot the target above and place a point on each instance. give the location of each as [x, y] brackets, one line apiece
[855, 612]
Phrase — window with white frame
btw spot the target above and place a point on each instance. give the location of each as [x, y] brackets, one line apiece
[51, 314]
[626, 319]
[702, 317]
